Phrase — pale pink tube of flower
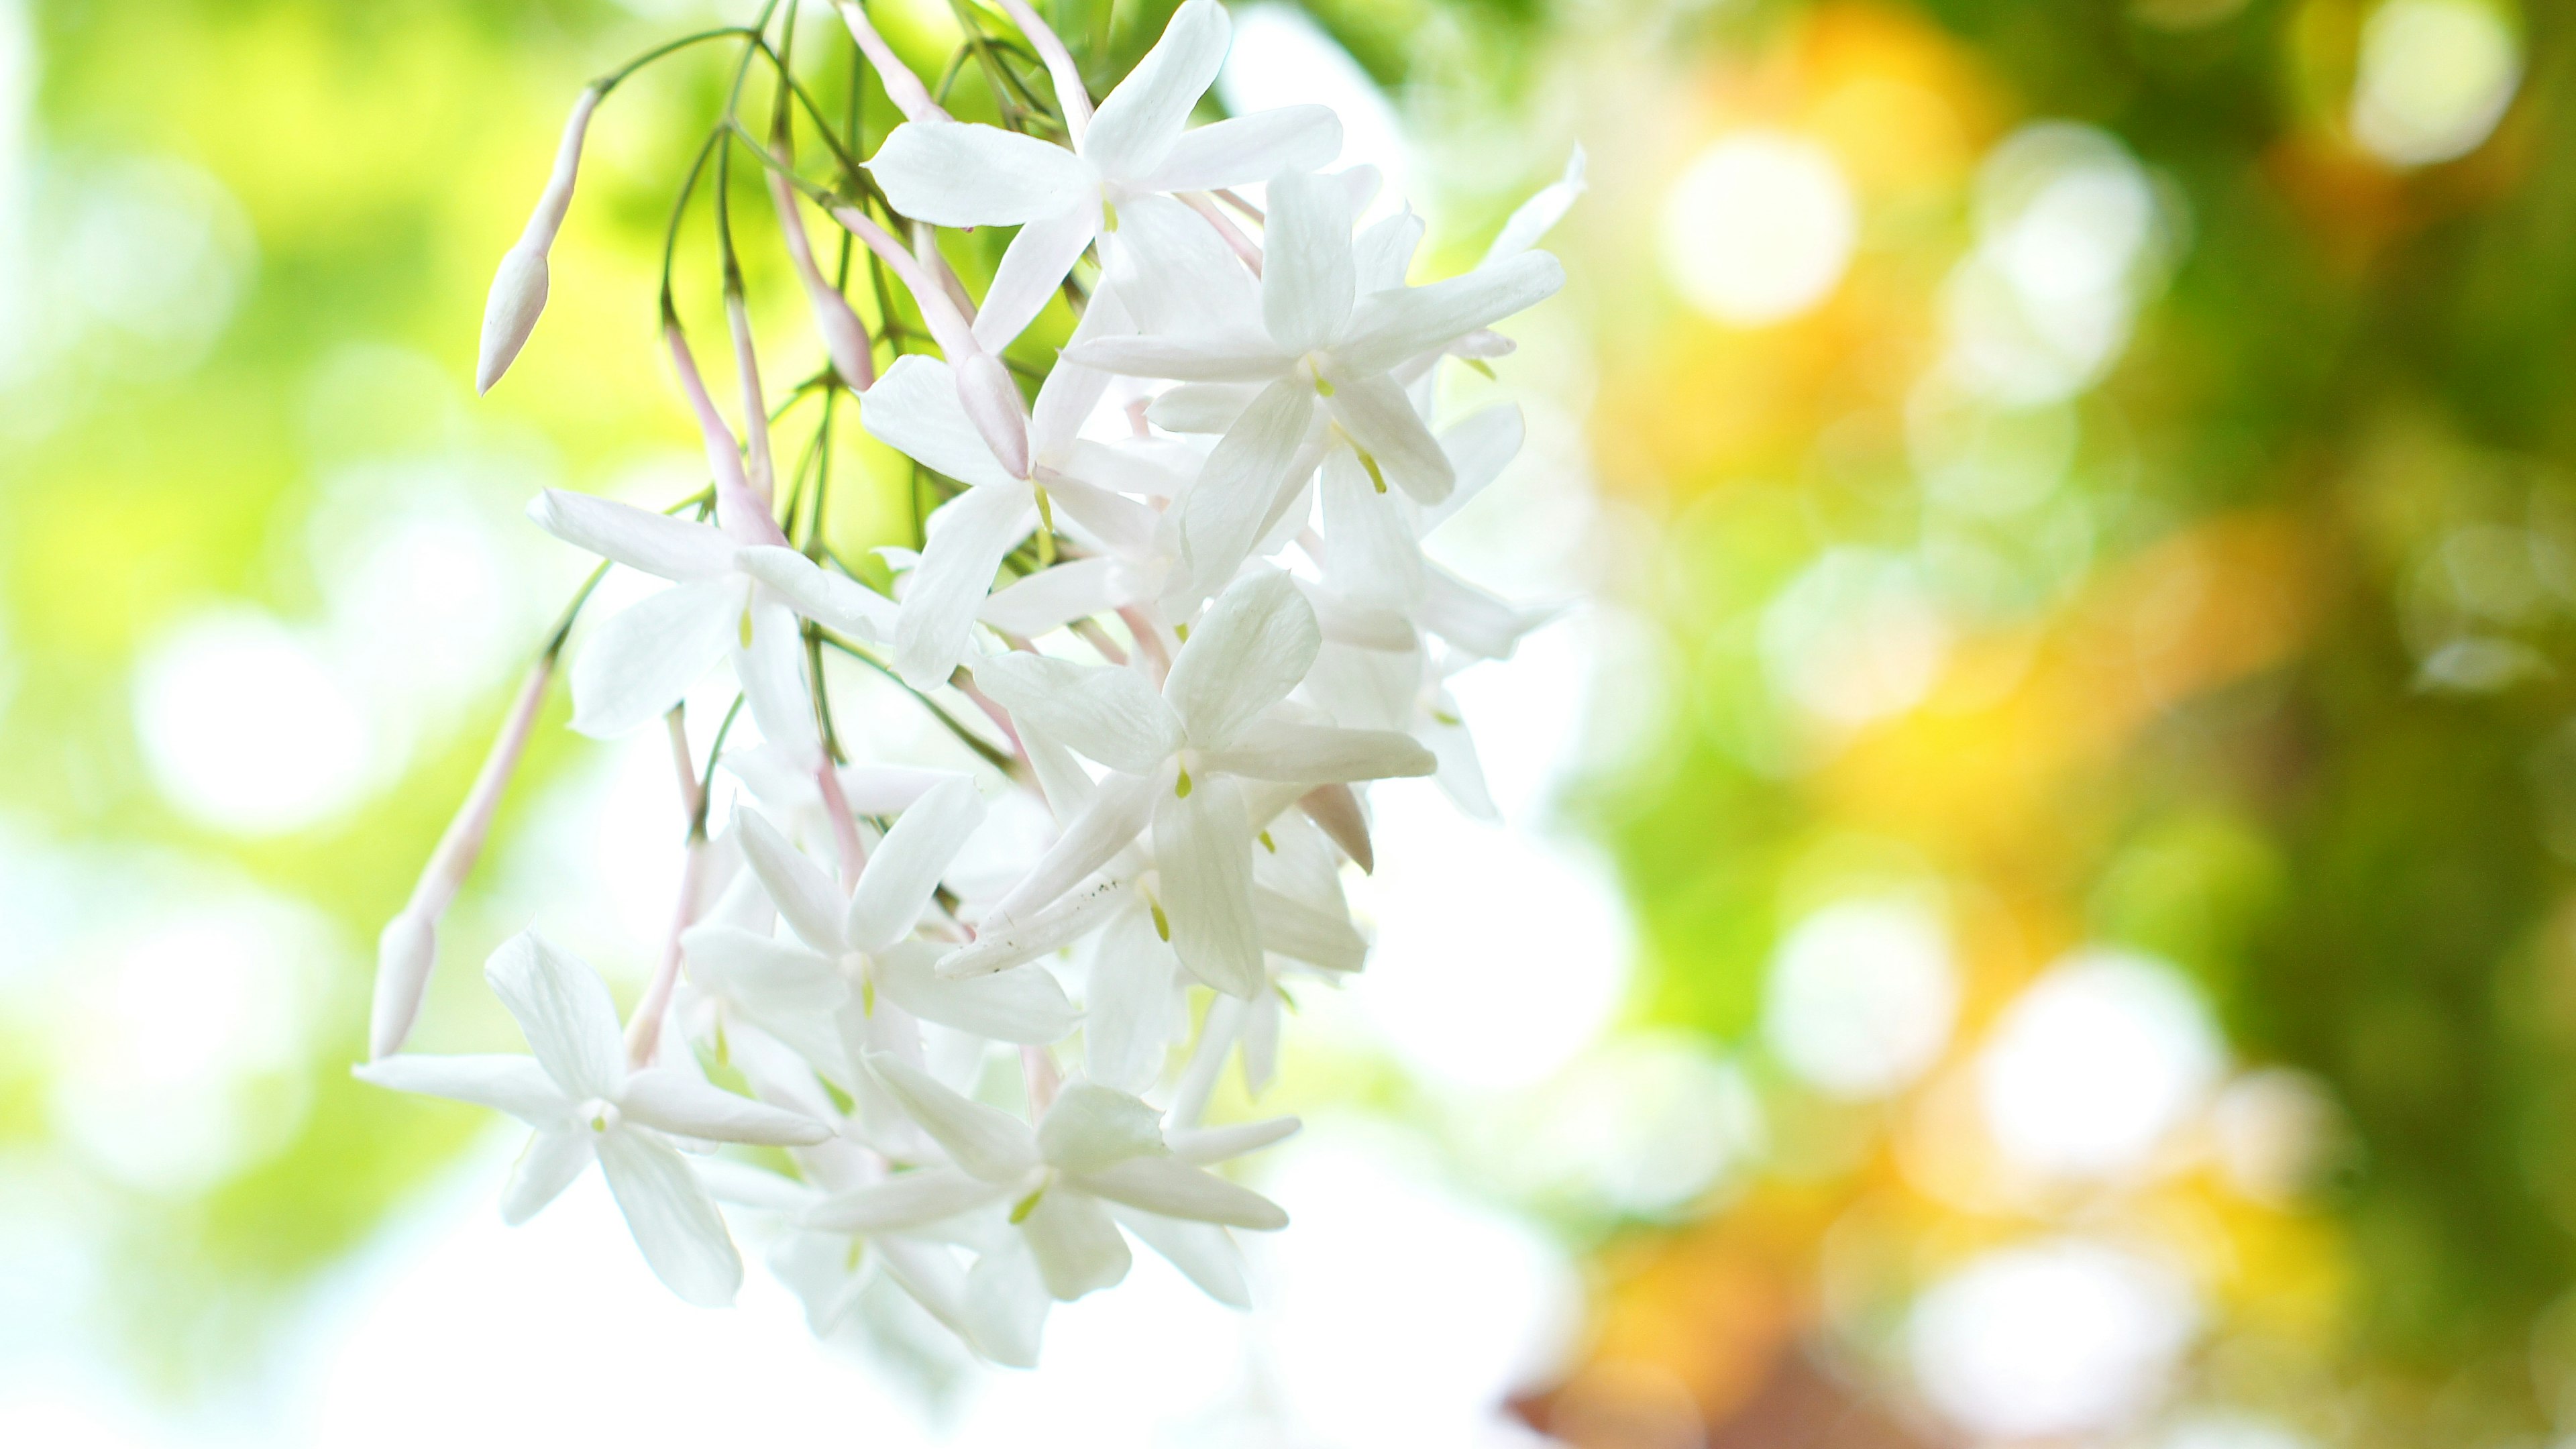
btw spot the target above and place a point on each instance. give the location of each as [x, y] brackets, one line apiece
[983, 384]
[901, 85]
[409, 946]
[755, 408]
[738, 511]
[519, 285]
[1059, 63]
[845, 337]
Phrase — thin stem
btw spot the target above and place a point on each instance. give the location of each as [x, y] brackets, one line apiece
[614, 78]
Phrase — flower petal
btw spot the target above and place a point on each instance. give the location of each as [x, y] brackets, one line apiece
[986, 1141]
[1200, 407]
[1078, 1248]
[1173, 1188]
[1256, 461]
[655, 543]
[1134, 978]
[1202, 1251]
[914, 409]
[1473, 620]
[1023, 1005]
[1139, 122]
[1391, 326]
[565, 1011]
[1205, 1146]
[546, 1166]
[968, 538]
[1108, 825]
[905, 870]
[1533, 217]
[506, 1083]
[1033, 266]
[1002, 945]
[673, 1102]
[1304, 754]
[833, 600]
[1052, 598]
[1479, 448]
[641, 662]
[1374, 563]
[1385, 251]
[1203, 852]
[951, 173]
[673, 1219]
[1381, 420]
[1308, 275]
[796, 885]
[1106, 712]
[905, 1200]
[1229, 358]
[770, 667]
[1174, 274]
[1091, 1127]
[1007, 1304]
[1251, 148]
[1295, 929]
[1258, 640]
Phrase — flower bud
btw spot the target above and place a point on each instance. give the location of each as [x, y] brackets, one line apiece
[845, 337]
[404, 954]
[901, 85]
[519, 285]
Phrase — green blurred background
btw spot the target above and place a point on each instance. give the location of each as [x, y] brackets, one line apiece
[2085, 545]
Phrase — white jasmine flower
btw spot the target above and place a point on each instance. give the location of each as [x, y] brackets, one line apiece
[585, 1104]
[1094, 1146]
[1176, 756]
[975, 175]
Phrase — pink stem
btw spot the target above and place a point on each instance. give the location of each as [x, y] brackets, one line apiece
[845, 337]
[738, 512]
[1059, 63]
[1037, 1068]
[999, 716]
[755, 409]
[1243, 245]
[1149, 640]
[644, 1031]
[845, 825]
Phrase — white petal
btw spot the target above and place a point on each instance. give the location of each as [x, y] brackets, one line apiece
[985, 1141]
[1108, 825]
[932, 1277]
[1052, 598]
[914, 409]
[799, 888]
[1318, 938]
[770, 667]
[1021, 1005]
[1203, 852]
[1173, 1188]
[1126, 526]
[1231, 358]
[1205, 1146]
[906, 1200]
[1223, 518]
[729, 1180]
[673, 1219]
[1174, 274]
[1544, 210]
[1385, 251]
[1479, 448]
[565, 1011]
[1091, 1127]
[1107, 712]
[1007, 1304]
[1125, 1013]
[641, 662]
[885, 789]
[1461, 774]
[656, 543]
[1374, 562]
[1033, 266]
[1246, 149]
[833, 600]
[1138, 123]
[1381, 420]
[1308, 275]
[506, 1083]
[1304, 754]
[1472, 619]
[908, 863]
[546, 1166]
[1202, 1251]
[968, 538]
[1200, 407]
[952, 173]
[1078, 1248]
[1003, 944]
[1389, 327]
[1257, 641]
[672, 1102]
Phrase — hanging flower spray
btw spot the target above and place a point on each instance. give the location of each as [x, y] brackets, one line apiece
[1190, 628]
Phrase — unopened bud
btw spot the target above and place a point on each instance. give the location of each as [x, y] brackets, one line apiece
[404, 954]
[519, 285]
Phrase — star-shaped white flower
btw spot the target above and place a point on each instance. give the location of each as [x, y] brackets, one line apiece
[952, 174]
[1095, 1146]
[1176, 757]
[640, 663]
[861, 946]
[585, 1104]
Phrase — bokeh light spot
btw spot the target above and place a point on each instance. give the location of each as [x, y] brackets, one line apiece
[1759, 228]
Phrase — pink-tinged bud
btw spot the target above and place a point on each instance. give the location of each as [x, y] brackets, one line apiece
[404, 954]
[845, 337]
[739, 512]
[1059, 63]
[984, 385]
[409, 946]
[519, 285]
[755, 408]
[1336, 810]
[925, 248]
[901, 85]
